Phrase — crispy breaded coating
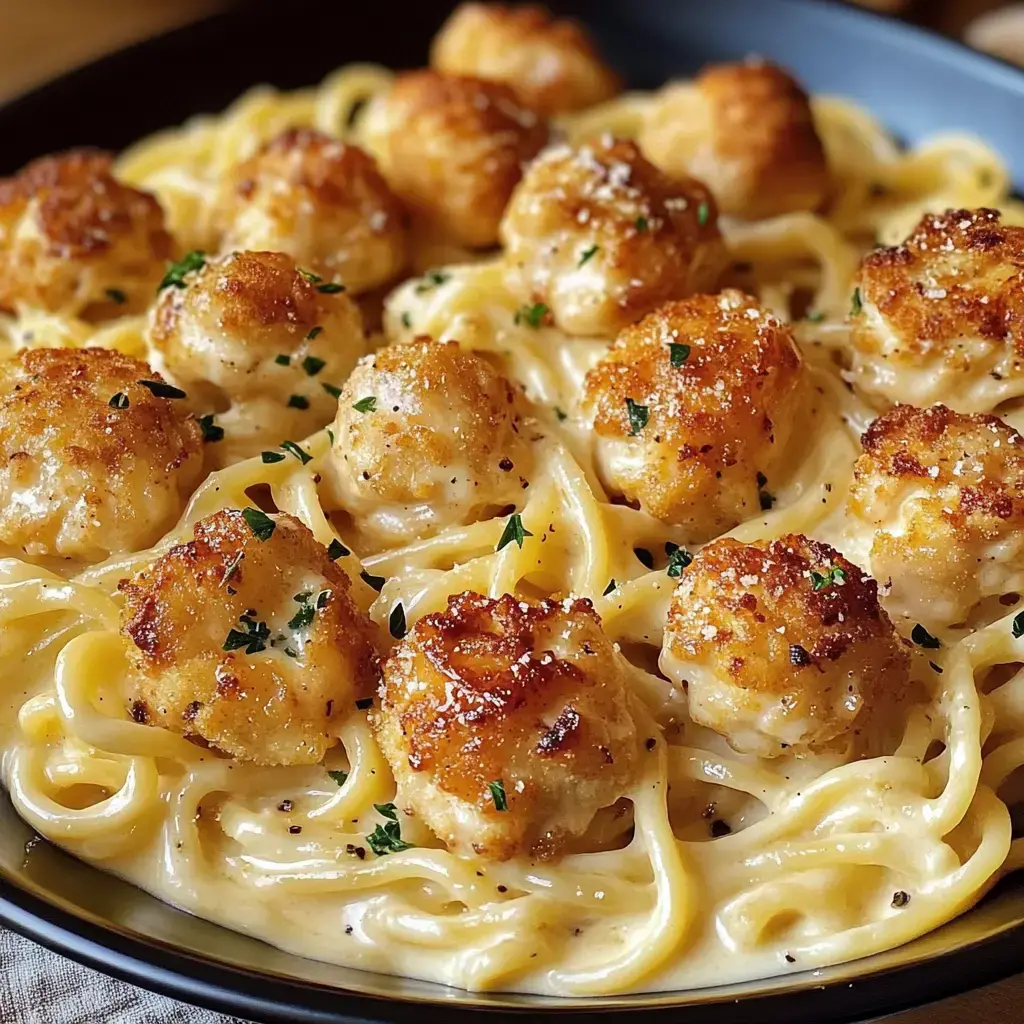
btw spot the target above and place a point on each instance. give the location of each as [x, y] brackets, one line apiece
[942, 494]
[75, 240]
[551, 63]
[529, 697]
[250, 644]
[427, 435]
[92, 462]
[453, 148]
[746, 130]
[601, 237]
[321, 201]
[252, 325]
[941, 317]
[692, 408]
[782, 646]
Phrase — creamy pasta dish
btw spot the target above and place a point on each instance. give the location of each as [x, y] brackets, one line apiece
[482, 525]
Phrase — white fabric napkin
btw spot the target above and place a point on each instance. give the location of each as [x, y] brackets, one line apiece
[40, 987]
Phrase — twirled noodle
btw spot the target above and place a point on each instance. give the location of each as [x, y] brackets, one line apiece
[643, 900]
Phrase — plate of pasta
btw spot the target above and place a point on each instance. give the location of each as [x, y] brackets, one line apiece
[502, 534]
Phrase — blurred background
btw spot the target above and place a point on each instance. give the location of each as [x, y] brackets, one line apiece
[41, 38]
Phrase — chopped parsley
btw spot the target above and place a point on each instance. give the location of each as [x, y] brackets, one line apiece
[611, 586]
[641, 224]
[923, 638]
[815, 316]
[312, 365]
[298, 402]
[561, 414]
[678, 353]
[269, 457]
[314, 333]
[293, 449]
[119, 401]
[832, 576]
[587, 254]
[176, 272]
[253, 636]
[260, 523]
[856, 305]
[330, 288]
[533, 316]
[161, 389]
[116, 295]
[303, 618]
[336, 550]
[211, 432]
[703, 214]
[283, 360]
[376, 582]
[678, 559]
[332, 389]
[310, 276]
[339, 777]
[514, 531]
[406, 320]
[396, 622]
[387, 838]
[497, 789]
[367, 404]
[638, 416]
[431, 279]
[1017, 628]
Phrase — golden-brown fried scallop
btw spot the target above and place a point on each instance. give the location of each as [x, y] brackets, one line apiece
[248, 642]
[941, 317]
[321, 201]
[533, 698]
[251, 326]
[427, 435]
[747, 130]
[601, 237]
[942, 496]
[551, 63]
[453, 148]
[782, 646]
[692, 408]
[75, 240]
[92, 462]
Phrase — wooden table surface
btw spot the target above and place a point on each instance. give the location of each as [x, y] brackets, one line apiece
[40, 38]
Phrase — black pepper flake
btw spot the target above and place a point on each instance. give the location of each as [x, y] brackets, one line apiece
[294, 829]
[506, 464]
[285, 806]
[651, 743]
[348, 929]
[900, 899]
[644, 557]
[502, 888]
[798, 655]
[790, 959]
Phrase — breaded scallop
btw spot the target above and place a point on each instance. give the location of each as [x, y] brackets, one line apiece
[252, 325]
[747, 130]
[692, 408]
[247, 640]
[427, 435]
[75, 240]
[942, 495]
[453, 148]
[92, 461]
[321, 201]
[782, 646]
[600, 236]
[508, 724]
[941, 317]
[551, 63]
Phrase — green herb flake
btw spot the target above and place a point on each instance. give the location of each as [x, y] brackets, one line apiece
[1017, 628]
[332, 389]
[176, 272]
[815, 316]
[678, 353]
[497, 789]
[923, 638]
[561, 414]
[330, 288]
[396, 622]
[271, 457]
[339, 777]
[298, 402]
[303, 618]
[312, 365]
[641, 224]
[703, 214]
[211, 432]
[252, 636]
[533, 316]
[119, 401]
[336, 550]
[283, 360]
[431, 279]
[367, 404]
[375, 582]
[856, 304]
[406, 320]
[638, 416]
[293, 449]
[310, 276]
[314, 334]
[161, 389]
[387, 838]
[832, 576]
[678, 559]
[514, 531]
[588, 254]
[116, 295]
[260, 523]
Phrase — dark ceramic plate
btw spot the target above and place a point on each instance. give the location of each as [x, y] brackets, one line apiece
[916, 83]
